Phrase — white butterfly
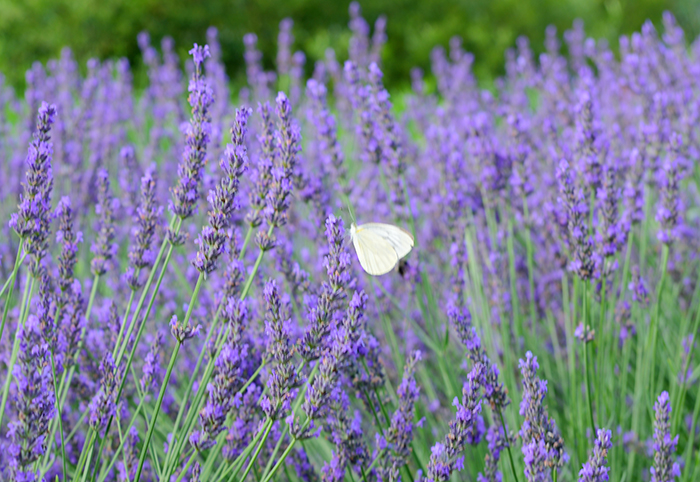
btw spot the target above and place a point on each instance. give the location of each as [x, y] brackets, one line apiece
[380, 246]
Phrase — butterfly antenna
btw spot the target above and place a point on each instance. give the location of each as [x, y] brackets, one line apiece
[347, 202]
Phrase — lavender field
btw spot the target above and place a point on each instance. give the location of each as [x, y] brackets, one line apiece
[181, 300]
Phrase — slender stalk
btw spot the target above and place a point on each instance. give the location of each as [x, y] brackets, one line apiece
[238, 463]
[58, 416]
[187, 466]
[281, 460]
[146, 288]
[510, 455]
[199, 396]
[654, 328]
[11, 284]
[115, 457]
[257, 451]
[152, 426]
[15, 346]
[10, 279]
[124, 319]
[589, 395]
[297, 404]
[684, 384]
[164, 384]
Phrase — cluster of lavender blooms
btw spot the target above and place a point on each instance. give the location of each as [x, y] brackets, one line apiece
[207, 320]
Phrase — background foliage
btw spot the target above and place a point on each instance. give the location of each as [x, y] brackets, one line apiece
[32, 30]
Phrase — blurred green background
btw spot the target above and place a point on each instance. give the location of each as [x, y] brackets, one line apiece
[37, 29]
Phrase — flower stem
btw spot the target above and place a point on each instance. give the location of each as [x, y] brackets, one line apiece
[11, 284]
[510, 454]
[164, 384]
[187, 466]
[589, 395]
[654, 326]
[257, 451]
[58, 416]
[15, 346]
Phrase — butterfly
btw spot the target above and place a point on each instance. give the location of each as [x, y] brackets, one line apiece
[379, 246]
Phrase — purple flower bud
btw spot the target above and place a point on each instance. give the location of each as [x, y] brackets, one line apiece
[665, 469]
[31, 222]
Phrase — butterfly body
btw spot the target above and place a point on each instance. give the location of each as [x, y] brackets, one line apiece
[379, 246]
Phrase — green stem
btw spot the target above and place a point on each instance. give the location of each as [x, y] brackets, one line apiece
[10, 279]
[684, 384]
[654, 328]
[152, 426]
[115, 457]
[164, 385]
[257, 451]
[11, 283]
[58, 416]
[238, 463]
[246, 241]
[589, 395]
[510, 455]
[15, 346]
[297, 404]
[187, 466]
[170, 457]
[199, 396]
[124, 319]
[280, 461]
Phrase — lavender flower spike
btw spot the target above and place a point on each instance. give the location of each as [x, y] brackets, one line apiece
[104, 248]
[399, 435]
[543, 447]
[466, 428]
[31, 222]
[595, 470]
[34, 403]
[147, 214]
[222, 200]
[186, 193]
[664, 469]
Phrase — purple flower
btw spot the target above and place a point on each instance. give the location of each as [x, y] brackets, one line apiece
[337, 264]
[283, 375]
[104, 247]
[182, 333]
[665, 469]
[285, 171]
[543, 447]
[223, 388]
[262, 173]
[573, 199]
[103, 405]
[222, 201]
[69, 239]
[467, 427]
[285, 39]
[331, 152]
[399, 435]
[595, 469]
[496, 442]
[186, 193]
[152, 365]
[346, 433]
[638, 287]
[668, 213]
[147, 215]
[34, 403]
[494, 391]
[31, 222]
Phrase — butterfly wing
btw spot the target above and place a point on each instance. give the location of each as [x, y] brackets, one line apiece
[377, 256]
[400, 239]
